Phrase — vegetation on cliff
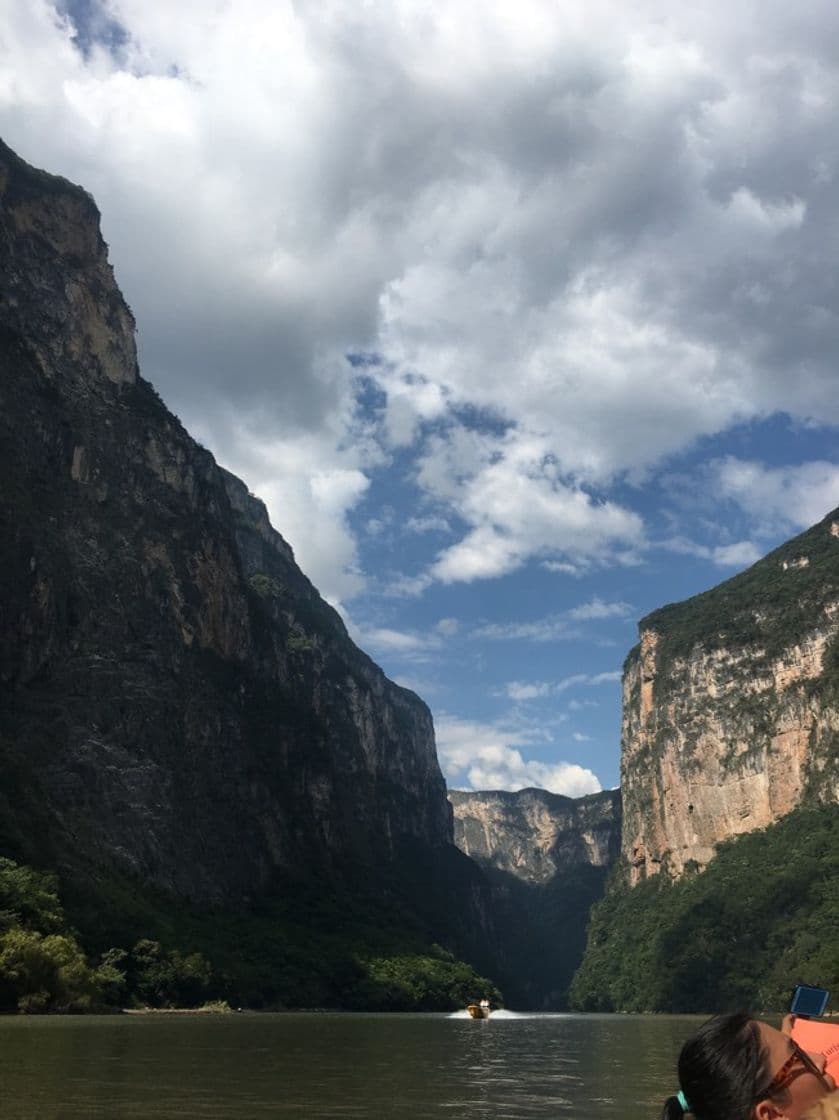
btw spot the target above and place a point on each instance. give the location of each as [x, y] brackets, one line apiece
[763, 916]
[43, 967]
[279, 955]
[771, 605]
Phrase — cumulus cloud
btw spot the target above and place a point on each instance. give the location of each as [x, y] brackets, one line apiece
[518, 508]
[577, 237]
[489, 757]
[779, 498]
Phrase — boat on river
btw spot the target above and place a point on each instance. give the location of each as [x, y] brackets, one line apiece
[479, 1010]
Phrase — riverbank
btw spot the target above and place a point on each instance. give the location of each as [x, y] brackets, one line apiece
[217, 1008]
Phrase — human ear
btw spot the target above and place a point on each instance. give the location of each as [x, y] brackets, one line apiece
[766, 1110]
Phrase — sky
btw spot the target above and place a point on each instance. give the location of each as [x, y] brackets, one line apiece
[521, 316]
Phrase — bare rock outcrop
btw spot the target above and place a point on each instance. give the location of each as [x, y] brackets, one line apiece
[731, 708]
[532, 834]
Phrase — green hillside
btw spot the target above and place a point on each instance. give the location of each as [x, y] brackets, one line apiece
[763, 916]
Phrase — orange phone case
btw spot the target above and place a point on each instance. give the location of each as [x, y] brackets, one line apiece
[819, 1037]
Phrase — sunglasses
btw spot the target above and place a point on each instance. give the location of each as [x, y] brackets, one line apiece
[798, 1063]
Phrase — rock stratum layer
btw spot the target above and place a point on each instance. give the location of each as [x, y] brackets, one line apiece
[178, 703]
[534, 834]
[731, 707]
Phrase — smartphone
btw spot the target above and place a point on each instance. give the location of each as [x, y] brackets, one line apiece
[808, 1001]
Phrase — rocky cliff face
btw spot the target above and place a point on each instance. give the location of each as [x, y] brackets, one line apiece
[177, 702]
[533, 834]
[731, 707]
[546, 858]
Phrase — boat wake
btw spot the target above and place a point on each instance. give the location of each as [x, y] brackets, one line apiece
[501, 1013]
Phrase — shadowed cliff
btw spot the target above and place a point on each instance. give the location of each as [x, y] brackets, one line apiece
[180, 710]
[546, 858]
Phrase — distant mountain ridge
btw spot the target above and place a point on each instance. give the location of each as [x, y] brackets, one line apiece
[533, 833]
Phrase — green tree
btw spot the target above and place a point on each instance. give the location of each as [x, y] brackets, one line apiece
[39, 973]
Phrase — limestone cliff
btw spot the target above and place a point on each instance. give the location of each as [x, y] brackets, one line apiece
[546, 858]
[177, 702]
[731, 707]
[533, 834]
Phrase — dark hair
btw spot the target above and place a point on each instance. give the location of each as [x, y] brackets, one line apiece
[722, 1069]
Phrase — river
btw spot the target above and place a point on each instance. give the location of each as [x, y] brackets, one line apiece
[333, 1065]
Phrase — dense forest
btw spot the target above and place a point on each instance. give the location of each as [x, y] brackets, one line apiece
[763, 916]
[187, 959]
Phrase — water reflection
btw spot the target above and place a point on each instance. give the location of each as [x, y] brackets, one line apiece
[325, 1065]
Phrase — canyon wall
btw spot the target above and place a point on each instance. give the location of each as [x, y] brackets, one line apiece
[731, 707]
[177, 702]
[547, 859]
[533, 834]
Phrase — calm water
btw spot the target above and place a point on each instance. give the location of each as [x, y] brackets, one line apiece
[329, 1065]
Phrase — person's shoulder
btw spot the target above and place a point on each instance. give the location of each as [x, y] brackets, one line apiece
[826, 1109]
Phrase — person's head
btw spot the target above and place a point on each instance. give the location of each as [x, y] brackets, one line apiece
[736, 1068]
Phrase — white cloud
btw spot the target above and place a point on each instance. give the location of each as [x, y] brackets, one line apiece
[488, 757]
[596, 608]
[519, 508]
[562, 566]
[527, 690]
[537, 690]
[407, 587]
[552, 628]
[779, 497]
[740, 554]
[735, 554]
[599, 231]
[587, 680]
[448, 627]
[398, 642]
[578, 737]
[428, 525]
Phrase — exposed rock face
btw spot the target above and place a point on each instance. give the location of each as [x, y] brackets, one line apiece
[546, 858]
[731, 708]
[533, 834]
[177, 700]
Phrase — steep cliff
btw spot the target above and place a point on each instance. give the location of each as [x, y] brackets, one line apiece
[731, 707]
[178, 703]
[533, 834]
[546, 858]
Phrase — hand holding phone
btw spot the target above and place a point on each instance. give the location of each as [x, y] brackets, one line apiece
[808, 1002]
